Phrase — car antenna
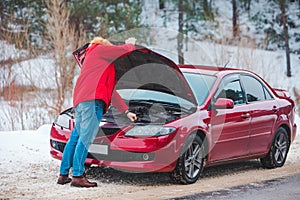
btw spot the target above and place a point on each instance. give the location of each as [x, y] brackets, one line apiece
[226, 64]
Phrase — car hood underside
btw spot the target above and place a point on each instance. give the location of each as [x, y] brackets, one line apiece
[145, 69]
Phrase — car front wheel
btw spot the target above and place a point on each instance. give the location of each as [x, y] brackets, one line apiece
[190, 163]
[279, 150]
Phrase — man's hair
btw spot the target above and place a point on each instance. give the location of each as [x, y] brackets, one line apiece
[100, 40]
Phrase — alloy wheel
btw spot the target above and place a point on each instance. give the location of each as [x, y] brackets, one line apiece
[193, 162]
[281, 147]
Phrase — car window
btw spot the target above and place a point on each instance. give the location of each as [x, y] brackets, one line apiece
[254, 89]
[231, 90]
[268, 94]
[200, 84]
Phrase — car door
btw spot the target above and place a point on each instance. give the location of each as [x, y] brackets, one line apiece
[263, 111]
[230, 127]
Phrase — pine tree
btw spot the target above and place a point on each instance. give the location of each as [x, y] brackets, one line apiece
[22, 16]
[91, 17]
[189, 13]
[105, 17]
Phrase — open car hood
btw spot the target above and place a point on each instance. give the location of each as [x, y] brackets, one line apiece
[146, 69]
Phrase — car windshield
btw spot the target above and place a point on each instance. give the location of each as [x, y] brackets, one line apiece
[200, 84]
[141, 95]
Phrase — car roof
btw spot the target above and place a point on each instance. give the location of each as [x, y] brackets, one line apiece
[209, 70]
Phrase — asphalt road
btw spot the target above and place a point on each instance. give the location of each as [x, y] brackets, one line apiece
[287, 188]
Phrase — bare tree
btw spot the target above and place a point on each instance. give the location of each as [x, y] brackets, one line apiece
[247, 4]
[63, 39]
[13, 91]
[286, 37]
[180, 32]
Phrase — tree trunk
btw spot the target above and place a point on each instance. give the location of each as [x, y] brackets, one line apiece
[286, 38]
[180, 31]
[205, 8]
[61, 36]
[235, 25]
[208, 13]
[248, 4]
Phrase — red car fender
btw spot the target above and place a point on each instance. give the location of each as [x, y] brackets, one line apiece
[188, 127]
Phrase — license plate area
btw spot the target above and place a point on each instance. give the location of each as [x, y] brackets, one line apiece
[98, 149]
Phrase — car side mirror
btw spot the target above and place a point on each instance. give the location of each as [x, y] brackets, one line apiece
[223, 103]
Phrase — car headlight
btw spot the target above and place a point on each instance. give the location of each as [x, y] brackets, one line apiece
[63, 121]
[150, 130]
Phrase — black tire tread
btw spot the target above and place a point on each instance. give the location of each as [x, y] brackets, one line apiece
[178, 174]
[268, 161]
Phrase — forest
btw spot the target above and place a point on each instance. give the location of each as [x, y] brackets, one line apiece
[50, 30]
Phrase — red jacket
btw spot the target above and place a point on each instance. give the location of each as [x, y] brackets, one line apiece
[97, 77]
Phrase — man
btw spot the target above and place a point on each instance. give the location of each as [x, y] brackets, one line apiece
[93, 93]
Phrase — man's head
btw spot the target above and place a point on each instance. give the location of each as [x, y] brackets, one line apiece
[100, 40]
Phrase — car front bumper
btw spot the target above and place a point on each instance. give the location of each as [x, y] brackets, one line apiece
[162, 160]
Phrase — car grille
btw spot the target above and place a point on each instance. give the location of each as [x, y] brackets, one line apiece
[113, 155]
[107, 131]
[122, 156]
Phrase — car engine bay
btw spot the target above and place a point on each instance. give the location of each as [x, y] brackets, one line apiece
[147, 112]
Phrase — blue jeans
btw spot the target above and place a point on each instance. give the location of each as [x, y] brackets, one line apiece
[88, 115]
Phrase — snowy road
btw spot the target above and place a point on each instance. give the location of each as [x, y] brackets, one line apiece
[275, 189]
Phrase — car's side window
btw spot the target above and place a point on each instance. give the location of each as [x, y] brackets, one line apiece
[254, 89]
[231, 90]
[267, 94]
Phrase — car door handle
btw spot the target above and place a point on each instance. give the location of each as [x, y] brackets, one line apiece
[246, 115]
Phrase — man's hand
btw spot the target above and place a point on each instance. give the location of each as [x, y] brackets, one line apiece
[130, 40]
[131, 116]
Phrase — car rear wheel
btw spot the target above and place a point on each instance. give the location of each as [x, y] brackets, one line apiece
[279, 150]
[190, 163]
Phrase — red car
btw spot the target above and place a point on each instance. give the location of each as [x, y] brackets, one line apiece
[188, 117]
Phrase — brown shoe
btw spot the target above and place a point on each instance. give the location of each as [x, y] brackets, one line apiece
[63, 179]
[81, 181]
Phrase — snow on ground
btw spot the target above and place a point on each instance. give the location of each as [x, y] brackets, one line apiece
[19, 149]
[38, 71]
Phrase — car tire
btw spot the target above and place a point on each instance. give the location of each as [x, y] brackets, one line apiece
[278, 151]
[87, 166]
[191, 161]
